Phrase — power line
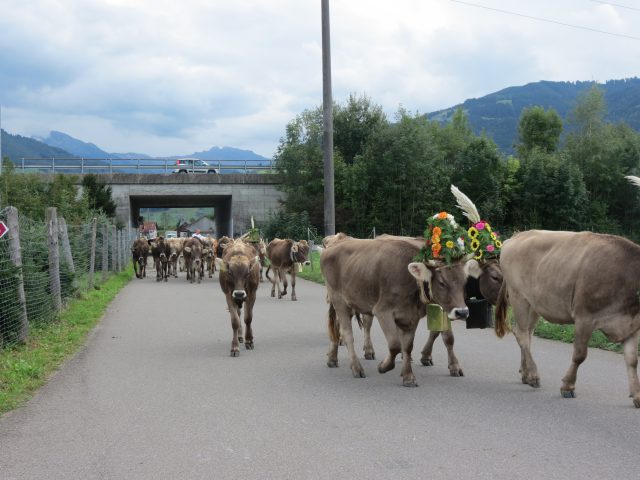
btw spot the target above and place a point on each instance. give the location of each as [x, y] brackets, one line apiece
[616, 5]
[540, 19]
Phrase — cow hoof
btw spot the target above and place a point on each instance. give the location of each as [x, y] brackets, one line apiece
[369, 356]
[456, 373]
[534, 383]
[273, 294]
[427, 362]
[358, 373]
[240, 339]
[568, 393]
[279, 296]
[235, 353]
[332, 364]
[249, 346]
[409, 382]
[166, 279]
[636, 402]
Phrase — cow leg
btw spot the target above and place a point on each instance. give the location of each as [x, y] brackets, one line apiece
[293, 284]
[631, 359]
[248, 318]
[580, 348]
[283, 277]
[407, 334]
[390, 331]
[454, 366]
[369, 352]
[426, 358]
[526, 319]
[275, 281]
[343, 313]
[234, 312]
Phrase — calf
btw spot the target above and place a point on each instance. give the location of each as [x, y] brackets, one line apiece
[139, 254]
[175, 250]
[239, 279]
[284, 257]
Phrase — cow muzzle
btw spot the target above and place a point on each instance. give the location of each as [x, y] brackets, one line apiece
[239, 294]
[459, 313]
[307, 263]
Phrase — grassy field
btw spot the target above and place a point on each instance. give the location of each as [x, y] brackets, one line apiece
[25, 368]
[544, 329]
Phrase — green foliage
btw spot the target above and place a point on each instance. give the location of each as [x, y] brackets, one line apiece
[98, 195]
[539, 129]
[289, 225]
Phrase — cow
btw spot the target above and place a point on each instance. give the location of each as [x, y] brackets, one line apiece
[209, 253]
[379, 277]
[239, 270]
[284, 257]
[588, 279]
[192, 252]
[175, 250]
[161, 251]
[139, 254]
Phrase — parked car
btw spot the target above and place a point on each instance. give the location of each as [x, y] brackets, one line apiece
[170, 234]
[193, 165]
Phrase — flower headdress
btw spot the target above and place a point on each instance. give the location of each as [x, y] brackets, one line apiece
[481, 240]
[444, 240]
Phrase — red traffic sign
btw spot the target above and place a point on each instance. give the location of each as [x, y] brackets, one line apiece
[3, 229]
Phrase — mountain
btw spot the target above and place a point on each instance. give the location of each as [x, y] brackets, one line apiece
[83, 149]
[16, 147]
[498, 114]
[227, 153]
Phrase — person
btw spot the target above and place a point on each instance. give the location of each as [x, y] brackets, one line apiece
[198, 235]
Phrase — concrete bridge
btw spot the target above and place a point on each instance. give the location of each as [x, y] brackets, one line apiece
[236, 197]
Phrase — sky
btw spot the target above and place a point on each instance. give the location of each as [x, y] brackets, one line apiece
[176, 77]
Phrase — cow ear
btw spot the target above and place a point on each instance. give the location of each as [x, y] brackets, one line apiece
[420, 271]
[220, 264]
[472, 268]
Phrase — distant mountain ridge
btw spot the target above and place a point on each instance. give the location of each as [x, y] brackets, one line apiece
[16, 147]
[498, 114]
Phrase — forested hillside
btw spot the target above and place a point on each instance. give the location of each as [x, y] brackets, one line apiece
[497, 114]
[17, 146]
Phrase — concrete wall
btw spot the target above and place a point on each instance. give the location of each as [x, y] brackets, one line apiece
[236, 197]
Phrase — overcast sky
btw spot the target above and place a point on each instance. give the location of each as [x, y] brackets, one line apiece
[175, 77]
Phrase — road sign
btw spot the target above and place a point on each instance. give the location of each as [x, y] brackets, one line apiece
[3, 229]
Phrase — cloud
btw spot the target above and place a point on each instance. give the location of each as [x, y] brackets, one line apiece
[164, 77]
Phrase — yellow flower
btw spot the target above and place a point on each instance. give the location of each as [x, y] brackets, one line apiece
[473, 232]
[435, 239]
[449, 244]
[475, 244]
[487, 227]
[479, 255]
[493, 236]
[498, 244]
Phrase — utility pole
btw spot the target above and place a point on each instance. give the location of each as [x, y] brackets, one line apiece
[327, 116]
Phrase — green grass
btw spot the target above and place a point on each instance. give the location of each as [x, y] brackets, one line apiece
[313, 271]
[544, 329]
[24, 368]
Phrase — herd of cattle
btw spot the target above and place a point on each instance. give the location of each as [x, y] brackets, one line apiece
[583, 278]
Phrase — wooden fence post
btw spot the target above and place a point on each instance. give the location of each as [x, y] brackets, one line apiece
[66, 247]
[15, 253]
[105, 251]
[114, 249]
[54, 257]
[92, 261]
[119, 244]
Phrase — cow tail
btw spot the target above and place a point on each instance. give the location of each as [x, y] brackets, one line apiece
[359, 320]
[267, 272]
[502, 326]
[333, 325]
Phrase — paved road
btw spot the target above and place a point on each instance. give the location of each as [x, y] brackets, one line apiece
[154, 395]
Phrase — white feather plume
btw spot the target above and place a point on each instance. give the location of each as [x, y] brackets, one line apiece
[466, 205]
[633, 179]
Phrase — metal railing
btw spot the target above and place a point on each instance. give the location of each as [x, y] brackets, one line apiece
[164, 166]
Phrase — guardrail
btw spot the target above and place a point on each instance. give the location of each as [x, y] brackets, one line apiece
[165, 166]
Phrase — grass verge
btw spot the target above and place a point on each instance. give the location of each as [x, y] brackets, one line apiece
[544, 329]
[313, 271]
[24, 368]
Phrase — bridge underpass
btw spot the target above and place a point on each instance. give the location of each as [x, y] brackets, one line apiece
[221, 205]
[234, 197]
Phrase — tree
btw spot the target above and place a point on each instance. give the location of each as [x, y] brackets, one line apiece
[98, 195]
[538, 129]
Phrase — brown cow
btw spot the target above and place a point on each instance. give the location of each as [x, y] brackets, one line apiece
[284, 257]
[239, 271]
[161, 252]
[175, 250]
[139, 254]
[192, 252]
[584, 278]
[379, 277]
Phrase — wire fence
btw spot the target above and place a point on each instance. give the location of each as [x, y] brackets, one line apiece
[43, 265]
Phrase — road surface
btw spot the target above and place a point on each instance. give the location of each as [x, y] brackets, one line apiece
[155, 395]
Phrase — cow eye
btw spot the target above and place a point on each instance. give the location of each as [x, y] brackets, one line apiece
[442, 284]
